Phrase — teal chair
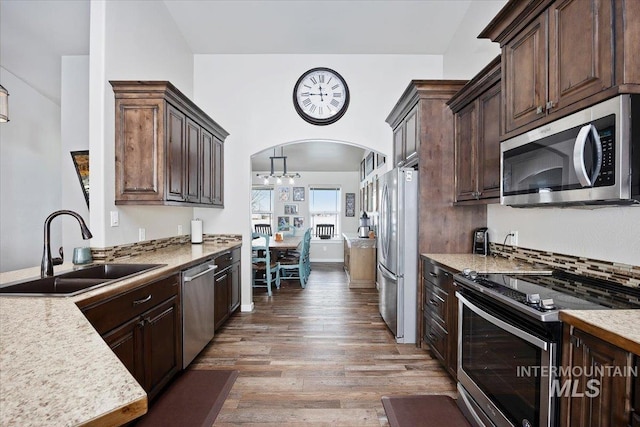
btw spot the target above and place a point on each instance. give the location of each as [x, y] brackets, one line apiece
[307, 262]
[265, 271]
[294, 267]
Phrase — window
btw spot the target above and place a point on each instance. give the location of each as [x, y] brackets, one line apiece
[261, 206]
[324, 207]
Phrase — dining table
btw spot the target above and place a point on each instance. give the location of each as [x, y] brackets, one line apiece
[276, 247]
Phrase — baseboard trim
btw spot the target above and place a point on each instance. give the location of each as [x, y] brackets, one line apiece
[321, 260]
[247, 307]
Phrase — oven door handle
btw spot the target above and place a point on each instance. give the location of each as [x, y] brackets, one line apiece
[504, 325]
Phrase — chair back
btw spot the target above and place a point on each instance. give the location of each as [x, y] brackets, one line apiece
[261, 253]
[324, 231]
[263, 229]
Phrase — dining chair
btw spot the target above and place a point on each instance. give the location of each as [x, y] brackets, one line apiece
[265, 271]
[324, 231]
[293, 267]
[263, 229]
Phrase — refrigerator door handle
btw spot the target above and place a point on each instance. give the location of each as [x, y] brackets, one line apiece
[386, 273]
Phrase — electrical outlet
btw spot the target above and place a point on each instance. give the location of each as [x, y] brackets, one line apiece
[115, 219]
[142, 234]
[514, 238]
[179, 229]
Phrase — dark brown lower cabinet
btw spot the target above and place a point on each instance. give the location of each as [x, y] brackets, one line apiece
[598, 383]
[440, 314]
[143, 328]
[227, 286]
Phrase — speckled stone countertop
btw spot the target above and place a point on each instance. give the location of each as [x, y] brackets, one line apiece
[486, 264]
[619, 327]
[359, 242]
[54, 367]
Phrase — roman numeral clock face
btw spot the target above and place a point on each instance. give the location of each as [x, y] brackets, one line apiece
[321, 96]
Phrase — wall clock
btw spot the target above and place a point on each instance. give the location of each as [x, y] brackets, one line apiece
[321, 96]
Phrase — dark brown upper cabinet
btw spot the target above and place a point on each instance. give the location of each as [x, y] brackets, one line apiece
[476, 109]
[562, 56]
[168, 151]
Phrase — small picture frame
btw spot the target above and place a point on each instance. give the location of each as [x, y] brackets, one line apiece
[363, 175]
[298, 222]
[283, 221]
[350, 204]
[298, 194]
[284, 193]
[290, 209]
[380, 160]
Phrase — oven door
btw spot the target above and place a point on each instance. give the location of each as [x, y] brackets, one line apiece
[504, 371]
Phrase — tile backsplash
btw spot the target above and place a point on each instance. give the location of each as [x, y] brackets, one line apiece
[112, 253]
[624, 274]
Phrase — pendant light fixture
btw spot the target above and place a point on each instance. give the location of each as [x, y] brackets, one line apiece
[4, 105]
[278, 177]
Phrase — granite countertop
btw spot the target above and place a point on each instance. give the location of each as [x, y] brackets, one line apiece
[353, 240]
[487, 264]
[55, 369]
[619, 327]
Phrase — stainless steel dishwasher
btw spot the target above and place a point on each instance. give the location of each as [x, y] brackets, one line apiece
[198, 303]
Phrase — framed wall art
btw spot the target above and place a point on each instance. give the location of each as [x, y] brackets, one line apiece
[81, 163]
[298, 194]
[350, 204]
[290, 209]
[283, 193]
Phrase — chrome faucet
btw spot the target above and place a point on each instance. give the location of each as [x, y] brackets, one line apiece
[46, 268]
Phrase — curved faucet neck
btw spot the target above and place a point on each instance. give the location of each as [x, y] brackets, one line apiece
[46, 267]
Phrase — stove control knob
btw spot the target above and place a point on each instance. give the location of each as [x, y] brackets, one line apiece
[533, 299]
[547, 304]
[473, 274]
[466, 272]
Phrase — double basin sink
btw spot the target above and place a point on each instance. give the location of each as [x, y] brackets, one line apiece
[77, 281]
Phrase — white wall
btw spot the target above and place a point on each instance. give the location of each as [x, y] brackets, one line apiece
[132, 40]
[30, 186]
[608, 234]
[251, 97]
[465, 57]
[74, 129]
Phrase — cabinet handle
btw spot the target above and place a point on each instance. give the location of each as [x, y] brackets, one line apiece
[432, 274]
[540, 109]
[432, 336]
[143, 300]
[550, 105]
[433, 302]
[221, 278]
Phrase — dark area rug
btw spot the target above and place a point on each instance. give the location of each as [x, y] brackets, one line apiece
[423, 410]
[193, 400]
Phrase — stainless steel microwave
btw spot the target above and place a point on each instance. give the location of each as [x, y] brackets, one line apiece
[591, 157]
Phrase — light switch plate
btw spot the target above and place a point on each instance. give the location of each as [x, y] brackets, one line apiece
[115, 219]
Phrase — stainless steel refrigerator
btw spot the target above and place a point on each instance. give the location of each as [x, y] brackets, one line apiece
[397, 276]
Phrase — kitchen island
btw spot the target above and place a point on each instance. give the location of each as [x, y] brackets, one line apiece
[55, 369]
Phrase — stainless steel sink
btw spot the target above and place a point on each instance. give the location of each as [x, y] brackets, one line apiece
[77, 281]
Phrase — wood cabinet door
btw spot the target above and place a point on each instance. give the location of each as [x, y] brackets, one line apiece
[127, 343]
[221, 309]
[176, 123]
[139, 158]
[581, 34]
[207, 167]
[398, 145]
[235, 288]
[524, 74]
[192, 162]
[218, 172]
[162, 345]
[466, 134]
[411, 140]
[605, 403]
[488, 151]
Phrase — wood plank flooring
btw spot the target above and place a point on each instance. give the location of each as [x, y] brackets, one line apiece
[320, 356]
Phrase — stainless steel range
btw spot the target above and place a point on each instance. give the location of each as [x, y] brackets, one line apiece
[509, 324]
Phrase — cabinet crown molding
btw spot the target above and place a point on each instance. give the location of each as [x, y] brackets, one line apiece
[512, 17]
[418, 89]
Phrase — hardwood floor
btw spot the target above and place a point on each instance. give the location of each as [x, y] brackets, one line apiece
[320, 356]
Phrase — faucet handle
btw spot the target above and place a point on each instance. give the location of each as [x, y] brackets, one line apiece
[58, 261]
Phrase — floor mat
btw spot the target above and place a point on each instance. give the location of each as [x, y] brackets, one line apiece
[423, 410]
[192, 400]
